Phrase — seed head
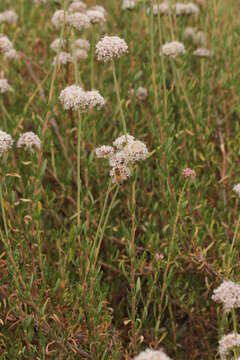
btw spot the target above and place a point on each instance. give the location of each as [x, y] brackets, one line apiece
[227, 343]
[110, 47]
[6, 142]
[4, 86]
[78, 21]
[149, 354]
[29, 140]
[228, 293]
[173, 49]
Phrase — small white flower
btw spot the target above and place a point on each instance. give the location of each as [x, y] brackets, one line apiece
[4, 86]
[192, 9]
[99, 8]
[202, 52]
[71, 97]
[77, 6]
[128, 4]
[104, 151]
[149, 354]
[57, 44]
[9, 17]
[173, 49]
[189, 33]
[162, 8]
[110, 47]
[58, 18]
[82, 44]
[78, 21]
[95, 16]
[11, 55]
[228, 293]
[81, 54]
[6, 142]
[141, 93]
[121, 141]
[62, 58]
[236, 189]
[119, 174]
[227, 343]
[29, 140]
[5, 44]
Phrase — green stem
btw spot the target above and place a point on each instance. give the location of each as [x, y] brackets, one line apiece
[78, 171]
[92, 57]
[119, 100]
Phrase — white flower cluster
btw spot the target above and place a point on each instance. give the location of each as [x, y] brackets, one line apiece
[62, 58]
[9, 17]
[236, 189]
[198, 37]
[227, 343]
[7, 49]
[125, 151]
[110, 47]
[58, 44]
[179, 8]
[82, 47]
[128, 4]
[6, 142]
[172, 49]
[78, 21]
[228, 293]
[4, 86]
[96, 16]
[74, 97]
[141, 93]
[202, 52]
[149, 354]
[29, 140]
[77, 6]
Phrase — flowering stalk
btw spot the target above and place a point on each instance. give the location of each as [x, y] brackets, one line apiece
[92, 56]
[119, 99]
[152, 60]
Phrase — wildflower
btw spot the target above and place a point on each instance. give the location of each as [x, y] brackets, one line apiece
[71, 97]
[57, 44]
[172, 49]
[5, 44]
[78, 21]
[6, 142]
[110, 47]
[236, 189]
[188, 173]
[200, 38]
[77, 6]
[192, 9]
[82, 44]
[228, 342]
[121, 141]
[149, 354]
[58, 18]
[189, 33]
[62, 58]
[11, 55]
[141, 93]
[128, 4]
[119, 174]
[9, 17]
[135, 151]
[162, 8]
[81, 54]
[93, 99]
[29, 140]
[4, 86]
[180, 9]
[227, 293]
[104, 151]
[99, 8]
[202, 52]
[96, 17]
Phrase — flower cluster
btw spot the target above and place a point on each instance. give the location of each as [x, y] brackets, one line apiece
[6, 142]
[179, 8]
[188, 173]
[29, 140]
[122, 155]
[236, 189]
[9, 17]
[62, 58]
[128, 4]
[172, 49]
[96, 16]
[4, 86]
[228, 293]
[150, 354]
[110, 47]
[227, 343]
[77, 6]
[202, 52]
[74, 97]
[58, 44]
[198, 37]
[7, 49]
